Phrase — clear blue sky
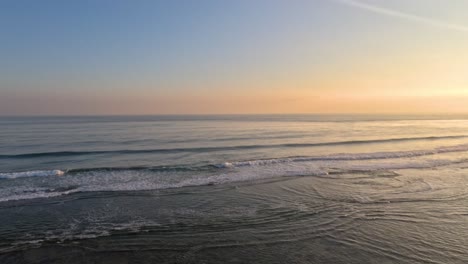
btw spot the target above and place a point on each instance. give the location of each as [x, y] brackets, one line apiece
[259, 56]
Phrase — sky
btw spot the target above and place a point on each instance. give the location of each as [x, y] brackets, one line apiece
[115, 57]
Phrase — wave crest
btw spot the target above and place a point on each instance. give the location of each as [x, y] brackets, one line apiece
[34, 173]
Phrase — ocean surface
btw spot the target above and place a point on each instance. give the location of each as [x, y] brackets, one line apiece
[234, 189]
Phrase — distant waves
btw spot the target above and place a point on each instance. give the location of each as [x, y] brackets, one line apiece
[221, 148]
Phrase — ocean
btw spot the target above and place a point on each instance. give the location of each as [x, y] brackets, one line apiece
[234, 189]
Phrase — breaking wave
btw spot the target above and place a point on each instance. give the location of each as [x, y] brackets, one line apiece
[34, 173]
[347, 156]
[33, 185]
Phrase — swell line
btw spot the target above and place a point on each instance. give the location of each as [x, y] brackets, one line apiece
[246, 163]
[223, 148]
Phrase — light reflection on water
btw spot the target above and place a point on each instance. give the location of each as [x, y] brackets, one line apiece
[234, 189]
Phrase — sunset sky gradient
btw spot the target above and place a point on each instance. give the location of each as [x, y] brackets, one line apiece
[233, 57]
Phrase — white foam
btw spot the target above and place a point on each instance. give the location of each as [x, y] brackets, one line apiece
[35, 173]
[33, 195]
[244, 171]
[349, 156]
[74, 231]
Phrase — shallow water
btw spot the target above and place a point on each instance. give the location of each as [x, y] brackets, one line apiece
[234, 189]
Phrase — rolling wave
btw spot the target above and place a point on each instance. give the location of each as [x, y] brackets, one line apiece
[222, 148]
[34, 173]
[240, 164]
[33, 185]
[346, 156]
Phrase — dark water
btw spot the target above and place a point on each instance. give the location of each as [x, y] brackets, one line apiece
[234, 189]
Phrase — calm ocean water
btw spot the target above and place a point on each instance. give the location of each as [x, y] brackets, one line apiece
[234, 189]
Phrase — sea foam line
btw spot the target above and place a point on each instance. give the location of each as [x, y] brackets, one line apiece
[349, 156]
[34, 173]
[261, 162]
